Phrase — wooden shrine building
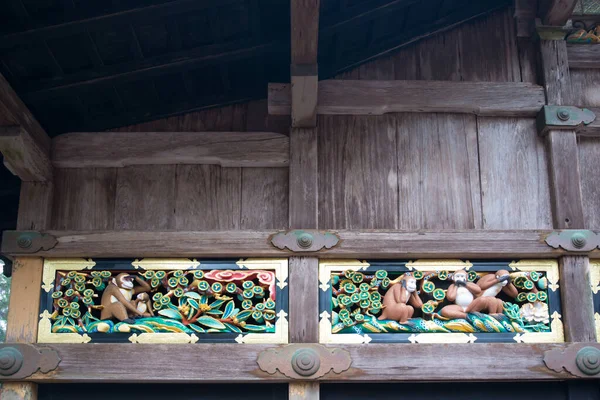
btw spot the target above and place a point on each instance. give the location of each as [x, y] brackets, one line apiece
[337, 199]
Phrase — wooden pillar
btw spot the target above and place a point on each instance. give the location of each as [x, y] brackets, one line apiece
[567, 207]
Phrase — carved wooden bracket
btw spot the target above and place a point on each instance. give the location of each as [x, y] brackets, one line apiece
[304, 361]
[579, 359]
[26, 242]
[574, 240]
[304, 240]
[20, 360]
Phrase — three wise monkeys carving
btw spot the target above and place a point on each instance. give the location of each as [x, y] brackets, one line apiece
[465, 297]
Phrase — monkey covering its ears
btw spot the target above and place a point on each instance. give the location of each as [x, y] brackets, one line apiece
[396, 299]
[116, 299]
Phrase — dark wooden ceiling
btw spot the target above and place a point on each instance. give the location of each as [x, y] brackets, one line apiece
[90, 65]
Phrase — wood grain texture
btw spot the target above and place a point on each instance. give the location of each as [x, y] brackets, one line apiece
[528, 59]
[121, 149]
[303, 172]
[555, 72]
[23, 156]
[303, 390]
[514, 175]
[577, 300]
[15, 112]
[145, 197]
[304, 101]
[565, 183]
[556, 12]
[586, 85]
[374, 362]
[207, 197]
[482, 62]
[264, 199]
[438, 172]
[305, 30]
[583, 56]
[589, 162]
[439, 57]
[347, 97]
[593, 129]
[84, 199]
[358, 167]
[304, 296]
[353, 244]
[35, 206]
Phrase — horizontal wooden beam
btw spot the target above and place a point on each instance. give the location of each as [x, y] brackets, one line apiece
[197, 363]
[120, 149]
[348, 97]
[23, 156]
[583, 55]
[556, 12]
[468, 244]
[592, 129]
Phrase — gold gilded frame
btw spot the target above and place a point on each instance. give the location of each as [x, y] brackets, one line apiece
[51, 266]
[550, 267]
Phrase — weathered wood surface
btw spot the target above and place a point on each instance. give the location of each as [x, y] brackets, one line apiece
[256, 243]
[304, 91]
[22, 320]
[592, 129]
[577, 300]
[555, 72]
[358, 173]
[23, 156]
[565, 184]
[346, 97]
[589, 157]
[303, 173]
[374, 362]
[304, 296]
[438, 172]
[15, 112]
[121, 149]
[585, 83]
[304, 390]
[583, 56]
[35, 206]
[264, 198]
[207, 197]
[85, 199]
[556, 12]
[304, 30]
[514, 175]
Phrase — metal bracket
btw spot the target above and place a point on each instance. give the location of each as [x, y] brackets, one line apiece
[20, 360]
[304, 240]
[304, 361]
[26, 242]
[579, 359]
[574, 240]
[563, 117]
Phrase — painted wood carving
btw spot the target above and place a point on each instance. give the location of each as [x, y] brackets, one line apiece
[164, 301]
[595, 284]
[440, 301]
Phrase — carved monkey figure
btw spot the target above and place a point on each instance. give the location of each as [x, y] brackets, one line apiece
[400, 299]
[116, 299]
[462, 293]
[491, 285]
[144, 305]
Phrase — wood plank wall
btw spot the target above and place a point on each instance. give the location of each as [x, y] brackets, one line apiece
[396, 171]
[179, 197]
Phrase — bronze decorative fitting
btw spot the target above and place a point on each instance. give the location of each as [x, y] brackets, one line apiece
[20, 360]
[304, 361]
[26, 242]
[574, 240]
[579, 359]
[304, 240]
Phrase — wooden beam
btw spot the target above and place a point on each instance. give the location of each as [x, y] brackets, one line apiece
[304, 197]
[23, 156]
[556, 12]
[577, 300]
[353, 244]
[583, 56]
[304, 100]
[380, 97]
[121, 149]
[592, 129]
[224, 363]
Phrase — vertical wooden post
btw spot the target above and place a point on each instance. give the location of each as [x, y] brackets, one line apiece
[35, 206]
[567, 206]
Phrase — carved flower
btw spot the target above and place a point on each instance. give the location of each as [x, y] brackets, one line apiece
[535, 312]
